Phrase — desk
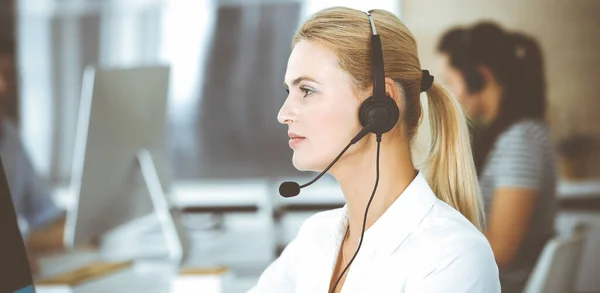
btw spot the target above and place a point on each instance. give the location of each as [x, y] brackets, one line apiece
[147, 276]
[199, 196]
[579, 188]
[158, 277]
[579, 196]
[220, 194]
[141, 277]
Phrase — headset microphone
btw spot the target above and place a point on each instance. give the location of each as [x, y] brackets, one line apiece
[290, 189]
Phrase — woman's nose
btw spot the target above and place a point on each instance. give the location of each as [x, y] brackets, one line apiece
[286, 114]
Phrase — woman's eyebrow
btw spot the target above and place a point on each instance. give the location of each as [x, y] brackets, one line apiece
[300, 79]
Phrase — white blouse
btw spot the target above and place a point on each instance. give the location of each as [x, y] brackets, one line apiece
[420, 244]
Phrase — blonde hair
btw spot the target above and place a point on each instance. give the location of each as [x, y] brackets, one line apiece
[449, 167]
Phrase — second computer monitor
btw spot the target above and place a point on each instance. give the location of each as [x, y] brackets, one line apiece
[122, 112]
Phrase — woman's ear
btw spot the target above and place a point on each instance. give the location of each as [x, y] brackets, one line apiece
[392, 90]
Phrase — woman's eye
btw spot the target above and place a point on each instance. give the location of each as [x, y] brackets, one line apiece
[307, 91]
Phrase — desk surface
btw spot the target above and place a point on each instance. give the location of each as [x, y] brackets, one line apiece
[154, 276]
[141, 277]
[585, 188]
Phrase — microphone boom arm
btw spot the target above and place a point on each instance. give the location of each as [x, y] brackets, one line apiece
[364, 131]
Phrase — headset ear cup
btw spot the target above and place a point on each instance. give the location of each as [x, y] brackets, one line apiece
[393, 113]
[384, 109]
[363, 112]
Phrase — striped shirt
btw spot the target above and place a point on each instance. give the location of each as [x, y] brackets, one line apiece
[524, 156]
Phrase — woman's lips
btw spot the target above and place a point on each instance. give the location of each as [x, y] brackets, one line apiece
[295, 141]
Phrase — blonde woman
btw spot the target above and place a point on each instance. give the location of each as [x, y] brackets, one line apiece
[422, 231]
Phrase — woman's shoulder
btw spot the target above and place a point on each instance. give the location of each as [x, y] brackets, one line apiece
[446, 224]
[447, 234]
[448, 247]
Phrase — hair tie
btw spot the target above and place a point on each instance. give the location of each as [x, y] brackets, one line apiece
[426, 80]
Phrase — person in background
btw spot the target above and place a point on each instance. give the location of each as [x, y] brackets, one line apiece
[40, 220]
[498, 77]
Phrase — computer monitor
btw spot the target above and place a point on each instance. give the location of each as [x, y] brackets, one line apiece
[120, 162]
[15, 273]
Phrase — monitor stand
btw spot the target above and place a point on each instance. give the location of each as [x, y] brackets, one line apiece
[163, 221]
[175, 234]
[104, 268]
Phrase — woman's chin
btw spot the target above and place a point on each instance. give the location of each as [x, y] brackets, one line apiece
[300, 165]
[303, 163]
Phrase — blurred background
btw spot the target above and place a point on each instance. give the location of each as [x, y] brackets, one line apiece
[225, 152]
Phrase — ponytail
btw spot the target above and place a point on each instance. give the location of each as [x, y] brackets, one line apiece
[450, 169]
[530, 82]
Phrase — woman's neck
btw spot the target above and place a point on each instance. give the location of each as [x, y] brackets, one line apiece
[357, 175]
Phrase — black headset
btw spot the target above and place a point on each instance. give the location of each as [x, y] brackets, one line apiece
[379, 108]
[378, 114]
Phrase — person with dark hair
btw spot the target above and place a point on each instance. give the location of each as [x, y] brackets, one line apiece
[498, 76]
